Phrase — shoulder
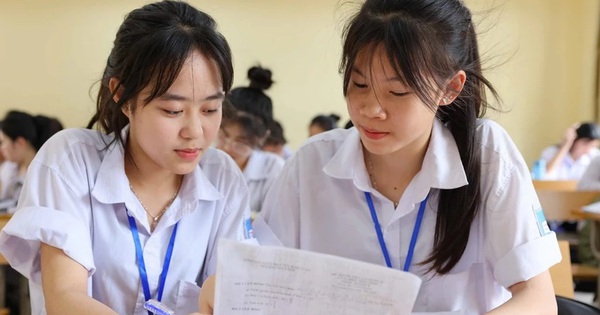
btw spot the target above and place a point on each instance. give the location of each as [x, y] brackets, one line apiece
[326, 144]
[70, 144]
[217, 164]
[496, 142]
[268, 159]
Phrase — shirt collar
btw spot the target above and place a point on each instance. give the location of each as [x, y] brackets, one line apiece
[442, 167]
[112, 185]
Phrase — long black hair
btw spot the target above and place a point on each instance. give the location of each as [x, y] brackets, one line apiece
[427, 42]
[150, 48]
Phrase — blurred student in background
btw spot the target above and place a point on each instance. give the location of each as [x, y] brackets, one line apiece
[322, 123]
[21, 136]
[252, 99]
[241, 136]
[569, 159]
[276, 142]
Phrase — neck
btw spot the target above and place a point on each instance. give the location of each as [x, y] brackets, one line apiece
[24, 164]
[392, 173]
[242, 163]
[150, 180]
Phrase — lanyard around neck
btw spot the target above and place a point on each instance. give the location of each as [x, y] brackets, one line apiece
[413, 239]
[142, 266]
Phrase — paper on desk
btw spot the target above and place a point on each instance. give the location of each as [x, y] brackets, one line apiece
[275, 280]
[592, 207]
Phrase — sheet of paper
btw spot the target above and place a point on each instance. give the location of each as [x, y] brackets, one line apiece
[275, 280]
[593, 207]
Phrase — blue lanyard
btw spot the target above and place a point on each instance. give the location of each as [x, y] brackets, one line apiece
[142, 266]
[413, 239]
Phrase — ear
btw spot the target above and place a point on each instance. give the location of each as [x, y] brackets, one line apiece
[453, 88]
[113, 83]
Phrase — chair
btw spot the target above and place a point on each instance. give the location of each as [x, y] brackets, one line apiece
[568, 306]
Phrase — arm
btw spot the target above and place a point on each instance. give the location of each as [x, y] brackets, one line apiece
[534, 296]
[565, 146]
[64, 282]
[206, 300]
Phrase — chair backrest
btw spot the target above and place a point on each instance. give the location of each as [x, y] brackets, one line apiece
[568, 306]
[562, 276]
[559, 204]
[568, 185]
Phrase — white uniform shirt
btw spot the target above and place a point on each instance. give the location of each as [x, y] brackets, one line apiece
[8, 175]
[75, 198]
[260, 172]
[318, 204]
[567, 169]
[591, 177]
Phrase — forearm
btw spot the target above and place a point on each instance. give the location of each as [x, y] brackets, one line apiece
[532, 297]
[65, 303]
[555, 161]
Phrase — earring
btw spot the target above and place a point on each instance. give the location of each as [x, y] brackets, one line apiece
[446, 100]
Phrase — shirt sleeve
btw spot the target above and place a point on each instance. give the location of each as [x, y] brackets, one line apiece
[591, 177]
[519, 244]
[232, 222]
[49, 211]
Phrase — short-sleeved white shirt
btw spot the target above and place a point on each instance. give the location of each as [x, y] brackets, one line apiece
[75, 197]
[260, 172]
[318, 204]
[567, 169]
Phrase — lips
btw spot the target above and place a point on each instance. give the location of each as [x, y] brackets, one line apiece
[188, 154]
[374, 134]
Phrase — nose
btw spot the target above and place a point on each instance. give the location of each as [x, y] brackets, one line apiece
[371, 107]
[192, 128]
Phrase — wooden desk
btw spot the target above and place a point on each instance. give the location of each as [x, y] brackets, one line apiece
[566, 185]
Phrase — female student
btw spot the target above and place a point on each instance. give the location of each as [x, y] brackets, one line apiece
[421, 183]
[569, 159]
[241, 136]
[21, 136]
[110, 219]
[322, 123]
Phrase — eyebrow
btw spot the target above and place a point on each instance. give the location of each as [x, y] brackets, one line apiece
[176, 97]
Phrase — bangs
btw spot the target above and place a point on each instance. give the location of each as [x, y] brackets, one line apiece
[408, 45]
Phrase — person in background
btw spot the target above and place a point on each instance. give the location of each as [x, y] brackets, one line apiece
[569, 159]
[241, 136]
[147, 180]
[322, 123]
[252, 99]
[21, 136]
[276, 142]
[8, 174]
[422, 183]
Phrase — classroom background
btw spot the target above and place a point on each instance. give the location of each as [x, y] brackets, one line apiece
[542, 56]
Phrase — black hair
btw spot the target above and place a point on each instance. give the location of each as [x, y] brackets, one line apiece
[252, 99]
[34, 129]
[325, 122]
[349, 124]
[427, 42]
[276, 135]
[588, 130]
[252, 127]
[150, 48]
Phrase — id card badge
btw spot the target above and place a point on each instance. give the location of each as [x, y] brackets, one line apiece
[541, 222]
[156, 307]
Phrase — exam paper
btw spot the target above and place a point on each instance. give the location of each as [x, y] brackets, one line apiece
[593, 207]
[275, 280]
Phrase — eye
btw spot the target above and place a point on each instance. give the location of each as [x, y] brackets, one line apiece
[399, 93]
[359, 85]
[172, 112]
[210, 111]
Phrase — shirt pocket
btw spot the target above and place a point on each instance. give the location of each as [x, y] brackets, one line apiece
[187, 298]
